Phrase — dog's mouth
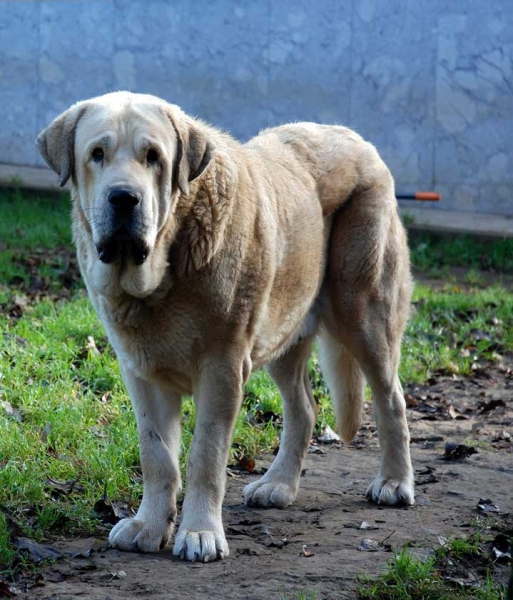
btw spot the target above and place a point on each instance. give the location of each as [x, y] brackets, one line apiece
[121, 244]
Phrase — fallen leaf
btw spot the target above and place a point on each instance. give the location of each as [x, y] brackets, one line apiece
[315, 450]
[91, 345]
[111, 512]
[45, 432]
[272, 543]
[61, 488]
[476, 427]
[18, 339]
[36, 552]
[427, 408]
[5, 590]
[485, 407]
[260, 416]
[55, 576]
[479, 334]
[410, 401]
[503, 435]
[328, 436]
[39, 581]
[305, 552]
[466, 314]
[430, 478]
[11, 411]
[117, 575]
[502, 548]
[427, 438]
[455, 451]
[487, 506]
[246, 463]
[313, 508]
[367, 545]
[83, 553]
[365, 525]
[21, 301]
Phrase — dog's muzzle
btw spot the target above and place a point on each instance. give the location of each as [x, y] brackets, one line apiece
[124, 238]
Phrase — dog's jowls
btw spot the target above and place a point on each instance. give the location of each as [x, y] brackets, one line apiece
[206, 259]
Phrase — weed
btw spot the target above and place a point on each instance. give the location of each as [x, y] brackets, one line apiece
[408, 578]
[475, 277]
[461, 547]
[300, 596]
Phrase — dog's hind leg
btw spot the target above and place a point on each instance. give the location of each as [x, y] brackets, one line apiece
[368, 293]
[279, 486]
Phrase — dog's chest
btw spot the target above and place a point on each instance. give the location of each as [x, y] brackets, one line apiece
[152, 345]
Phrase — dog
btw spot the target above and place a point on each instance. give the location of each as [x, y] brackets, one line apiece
[206, 259]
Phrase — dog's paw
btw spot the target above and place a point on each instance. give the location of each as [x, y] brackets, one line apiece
[269, 494]
[139, 536]
[203, 546]
[391, 491]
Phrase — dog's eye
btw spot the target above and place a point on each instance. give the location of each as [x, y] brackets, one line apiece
[97, 155]
[152, 157]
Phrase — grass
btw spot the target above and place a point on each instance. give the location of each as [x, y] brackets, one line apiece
[300, 596]
[436, 251]
[67, 432]
[461, 547]
[452, 329]
[408, 578]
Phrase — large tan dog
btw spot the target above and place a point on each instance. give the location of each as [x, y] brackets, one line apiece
[206, 259]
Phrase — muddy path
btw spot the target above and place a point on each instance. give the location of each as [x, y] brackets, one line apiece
[267, 546]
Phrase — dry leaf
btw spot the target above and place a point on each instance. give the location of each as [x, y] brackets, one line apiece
[368, 546]
[487, 506]
[91, 345]
[366, 525]
[45, 432]
[305, 552]
[328, 436]
[247, 463]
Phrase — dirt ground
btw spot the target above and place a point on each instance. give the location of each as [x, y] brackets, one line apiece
[267, 558]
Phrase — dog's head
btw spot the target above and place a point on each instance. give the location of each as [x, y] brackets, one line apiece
[130, 158]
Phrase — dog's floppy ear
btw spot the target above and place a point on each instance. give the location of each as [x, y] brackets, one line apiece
[56, 143]
[194, 150]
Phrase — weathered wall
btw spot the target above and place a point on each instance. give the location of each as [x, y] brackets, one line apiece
[429, 82]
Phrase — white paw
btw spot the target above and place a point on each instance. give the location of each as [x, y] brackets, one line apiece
[202, 545]
[140, 536]
[391, 491]
[269, 494]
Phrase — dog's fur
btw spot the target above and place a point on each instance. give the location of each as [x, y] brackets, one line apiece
[236, 256]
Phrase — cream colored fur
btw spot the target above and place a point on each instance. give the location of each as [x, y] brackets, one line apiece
[253, 251]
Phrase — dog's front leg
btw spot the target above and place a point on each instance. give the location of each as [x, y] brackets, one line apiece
[217, 396]
[157, 411]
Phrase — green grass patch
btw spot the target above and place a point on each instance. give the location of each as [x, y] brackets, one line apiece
[431, 251]
[408, 578]
[30, 220]
[451, 330]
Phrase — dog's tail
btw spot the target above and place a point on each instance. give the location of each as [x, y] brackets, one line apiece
[346, 384]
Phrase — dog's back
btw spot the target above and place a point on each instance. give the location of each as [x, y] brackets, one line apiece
[367, 254]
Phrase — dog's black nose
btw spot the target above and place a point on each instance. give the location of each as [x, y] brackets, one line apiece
[123, 200]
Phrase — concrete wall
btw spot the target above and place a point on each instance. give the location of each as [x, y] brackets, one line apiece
[430, 82]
